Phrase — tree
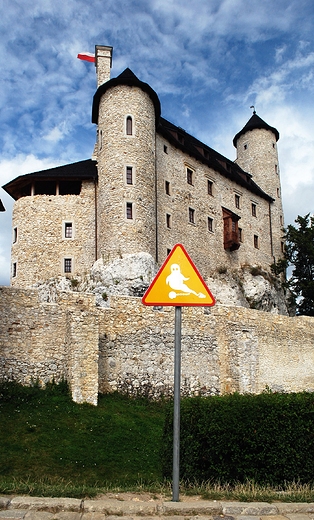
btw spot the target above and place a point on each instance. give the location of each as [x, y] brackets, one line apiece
[300, 254]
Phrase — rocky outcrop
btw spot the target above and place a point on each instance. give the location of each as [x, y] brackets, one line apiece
[130, 275]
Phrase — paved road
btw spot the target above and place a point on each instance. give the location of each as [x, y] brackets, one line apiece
[35, 508]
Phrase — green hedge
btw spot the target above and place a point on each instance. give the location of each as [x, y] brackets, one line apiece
[267, 438]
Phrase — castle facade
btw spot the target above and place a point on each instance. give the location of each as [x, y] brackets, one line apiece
[148, 186]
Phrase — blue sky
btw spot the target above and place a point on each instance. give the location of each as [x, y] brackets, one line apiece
[208, 61]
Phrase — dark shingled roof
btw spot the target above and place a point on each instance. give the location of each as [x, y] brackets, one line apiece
[255, 122]
[81, 170]
[195, 148]
[127, 77]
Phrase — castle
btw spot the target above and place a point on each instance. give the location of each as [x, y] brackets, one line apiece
[148, 186]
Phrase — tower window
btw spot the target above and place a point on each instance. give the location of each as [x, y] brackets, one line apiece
[192, 216]
[256, 244]
[129, 126]
[240, 234]
[167, 187]
[210, 224]
[14, 235]
[245, 147]
[168, 220]
[276, 168]
[237, 201]
[129, 210]
[281, 220]
[68, 265]
[189, 176]
[278, 192]
[165, 149]
[253, 209]
[68, 230]
[210, 187]
[129, 175]
[14, 269]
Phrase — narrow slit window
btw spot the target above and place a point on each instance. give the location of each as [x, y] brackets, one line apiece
[14, 269]
[240, 234]
[129, 126]
[167, 187]
[129, 210]
[168, 220]
[210, 187]
[237, 201]
[129, 175]
[210, 224]
[165, 149]
[68, 265]
[256, 244]
[192, 216]
[14, 235]
[189, 176]
[253, 209]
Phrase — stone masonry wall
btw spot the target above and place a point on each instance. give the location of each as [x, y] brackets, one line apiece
[130, 348]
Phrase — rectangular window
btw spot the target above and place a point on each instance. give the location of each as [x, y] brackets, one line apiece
[14, 235]
[68, 265]
[168, 220]
[192, 216]
[14, 269]
[278, 192]
[165, 149]
[237, 201]
[129, 175]
[167, 187]
[256, 245]
[68, 230]
[281, 220]
[253, 209]
[240, 234]
[210, 224]
[189, 176]
[210, 187]
[282, 247]
[129, 210]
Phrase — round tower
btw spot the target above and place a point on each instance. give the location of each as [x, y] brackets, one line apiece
[257, 154]
[126, 111]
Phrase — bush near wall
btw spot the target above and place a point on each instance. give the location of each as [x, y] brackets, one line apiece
[267, 438]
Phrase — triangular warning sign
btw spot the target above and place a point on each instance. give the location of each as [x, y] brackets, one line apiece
[178, 283]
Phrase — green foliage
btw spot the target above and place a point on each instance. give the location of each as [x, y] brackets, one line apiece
[300, 253]
[45, 435]
[267, 438]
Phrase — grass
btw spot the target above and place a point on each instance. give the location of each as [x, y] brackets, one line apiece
[50, 446]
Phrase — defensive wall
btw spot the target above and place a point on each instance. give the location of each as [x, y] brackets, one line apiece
[130, 348]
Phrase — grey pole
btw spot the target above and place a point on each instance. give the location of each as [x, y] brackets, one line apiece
[176, 406]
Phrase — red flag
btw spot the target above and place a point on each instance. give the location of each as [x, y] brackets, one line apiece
[86, 56]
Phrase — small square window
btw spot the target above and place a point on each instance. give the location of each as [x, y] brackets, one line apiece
[256, 245]
[68, 265]
[192, 216]
[210, 187]
[253, 209]
[129, 175]
[168, 220]
[14, 269]
[245, 147]
[68, 230]
[210, 224]
[129, 210]
[167, 187]
[189, 176]
[237, 201]
[14, 235]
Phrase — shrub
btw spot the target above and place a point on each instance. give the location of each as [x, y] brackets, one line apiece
[267, 438]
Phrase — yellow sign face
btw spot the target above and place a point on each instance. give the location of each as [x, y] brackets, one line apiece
[178, 283]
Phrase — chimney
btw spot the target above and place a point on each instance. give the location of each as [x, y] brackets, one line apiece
[103, 63]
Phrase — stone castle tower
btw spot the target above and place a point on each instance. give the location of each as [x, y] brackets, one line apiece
[148, 186]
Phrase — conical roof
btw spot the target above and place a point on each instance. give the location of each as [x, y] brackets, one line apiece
[255, 122]
[127, 77]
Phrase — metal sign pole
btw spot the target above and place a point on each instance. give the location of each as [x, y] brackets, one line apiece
[176, 406]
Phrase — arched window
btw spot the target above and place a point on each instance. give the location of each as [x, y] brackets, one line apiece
[129, 125]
